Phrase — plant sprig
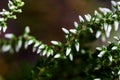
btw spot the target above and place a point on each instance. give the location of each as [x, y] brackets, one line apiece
[14, 6]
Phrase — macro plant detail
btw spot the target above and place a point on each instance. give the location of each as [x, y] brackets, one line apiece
[101, 64]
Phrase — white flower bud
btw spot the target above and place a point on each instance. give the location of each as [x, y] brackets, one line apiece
[18, 45]
[65, 30]
[77, 46]
[88, 17]
[119, 72]
[22, 3]
[114, 16]
[1, 19]
[6, 48]
[119, 42]
[107, 34]
[83, 51]
[101, 54]
[113, 72]
[27, 29]
[41, 46]
[109, 28]
[114, 47]
[6, 13]
[9, 36]
[115, 37]
[51, 51]
[68, 50]
[118, 8]
[105, 26]
[109, 42]
[55, 42]
[98, 34]
[71, 57]
[74, 31]
[97, 79]
[116, 25]
[99, 48]
[48, 53]
[0, 28]
[96, 12]
[118, 2]
[81, 18]
[91, 30]
[57, 56]
[26, 45]
[105, 10]
[12, 7]
[76, 24]
[110, 58]
[44, 52]
[103, 38]
[34, 49]
[113, 3]
[4, 28]
[30, 42]
[37, 43]
[38, 51]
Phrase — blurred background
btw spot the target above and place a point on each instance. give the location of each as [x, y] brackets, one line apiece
[45, 18]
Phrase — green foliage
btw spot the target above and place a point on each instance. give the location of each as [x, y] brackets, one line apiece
[74, 59]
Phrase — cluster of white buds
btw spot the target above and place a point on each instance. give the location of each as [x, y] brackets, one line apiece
[103, 32]
[105, 28]
[88, 17]
[104, 21]
[105, 10]
[102, 50]
[108, 52]
[117, 39]
[38, 46]
[5, 12]
[14, 7]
